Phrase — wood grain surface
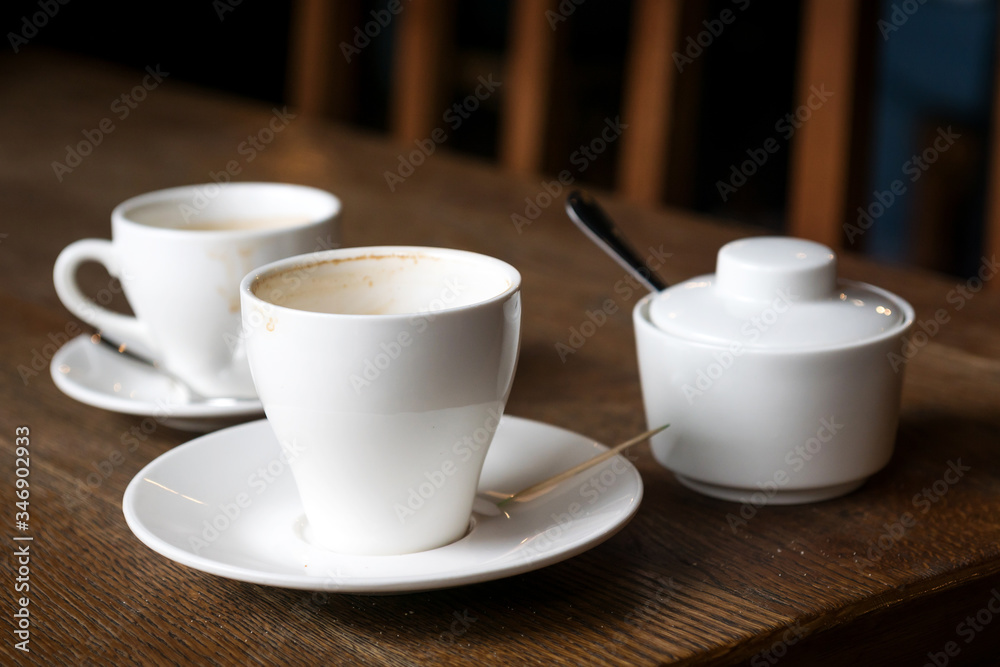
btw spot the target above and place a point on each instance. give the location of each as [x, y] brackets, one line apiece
[678, 585]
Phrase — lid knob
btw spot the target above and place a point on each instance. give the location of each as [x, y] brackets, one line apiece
[766, 267]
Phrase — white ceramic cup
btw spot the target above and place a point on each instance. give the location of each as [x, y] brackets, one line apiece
[777, 379]
[180, 254]
[384, 372]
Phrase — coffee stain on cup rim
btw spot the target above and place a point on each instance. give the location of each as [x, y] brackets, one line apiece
[255, 285]
[334, 261]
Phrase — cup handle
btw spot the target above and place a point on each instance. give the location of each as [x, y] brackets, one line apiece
[121, 328]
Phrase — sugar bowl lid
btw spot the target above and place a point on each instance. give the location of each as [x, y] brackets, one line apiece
[777, 293]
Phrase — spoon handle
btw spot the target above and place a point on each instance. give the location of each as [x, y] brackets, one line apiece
[156, 367]
[535, 490]
[585, 212]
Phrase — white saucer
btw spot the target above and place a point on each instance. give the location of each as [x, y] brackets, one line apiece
[185, 505]
[93, 373]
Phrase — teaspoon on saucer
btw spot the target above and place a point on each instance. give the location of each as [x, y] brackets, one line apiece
[101, 376]
[192, 396]
[538, 489]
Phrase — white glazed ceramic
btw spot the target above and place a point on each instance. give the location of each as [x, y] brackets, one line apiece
[97, 375]
[387, 406]
[775, 377]
[206, 505]
[183, 282]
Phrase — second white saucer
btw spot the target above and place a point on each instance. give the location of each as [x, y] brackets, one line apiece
[93, 373]
[226, 503]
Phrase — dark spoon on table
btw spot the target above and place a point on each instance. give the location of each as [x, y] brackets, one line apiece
[587, 214]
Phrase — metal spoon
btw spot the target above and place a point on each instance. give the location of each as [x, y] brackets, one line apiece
[193, 397]
[584, 211]
[536, 490]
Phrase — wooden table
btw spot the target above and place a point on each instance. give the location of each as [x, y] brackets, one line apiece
[678, 585]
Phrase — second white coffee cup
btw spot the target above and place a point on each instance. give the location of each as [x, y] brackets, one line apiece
[384, 373]
[180, 254]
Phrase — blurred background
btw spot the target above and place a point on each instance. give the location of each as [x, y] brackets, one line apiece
[867, 125]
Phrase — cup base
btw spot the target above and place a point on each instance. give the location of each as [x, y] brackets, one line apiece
[779, 497]
[305, 533]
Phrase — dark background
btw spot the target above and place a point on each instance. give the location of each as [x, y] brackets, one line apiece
[745, 82]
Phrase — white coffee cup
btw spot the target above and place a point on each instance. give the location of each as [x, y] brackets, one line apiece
[384, 372]
[180, 254]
